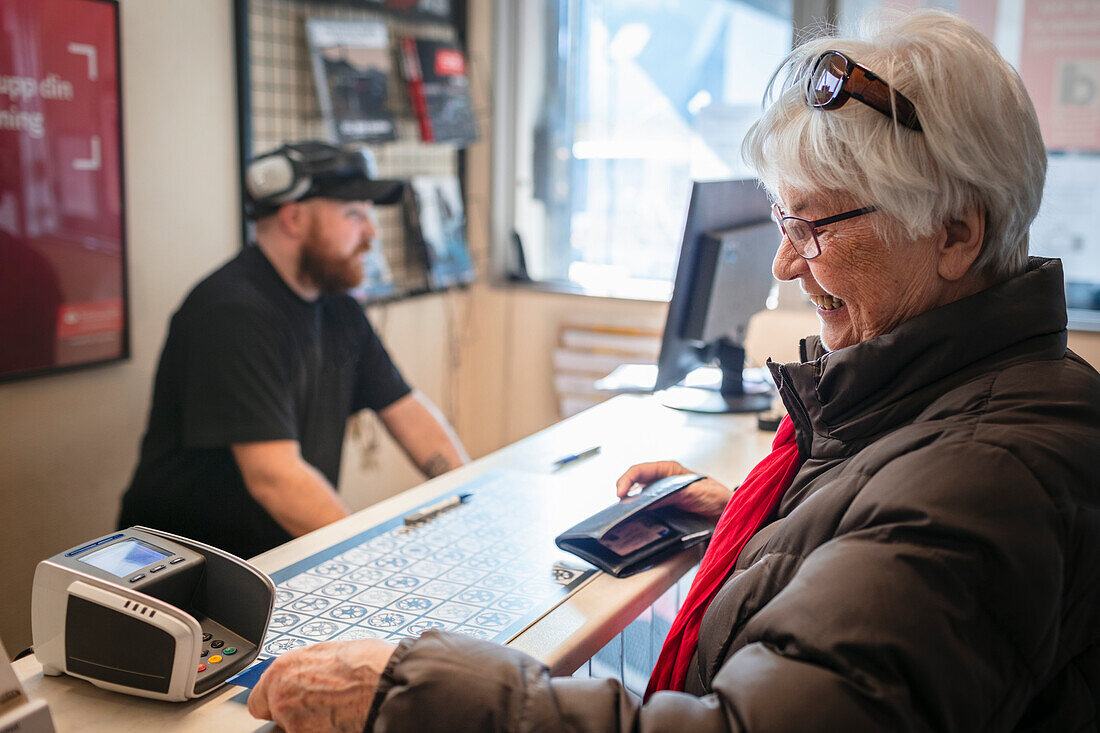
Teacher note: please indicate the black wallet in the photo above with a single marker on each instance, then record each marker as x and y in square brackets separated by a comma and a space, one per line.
[631, 535]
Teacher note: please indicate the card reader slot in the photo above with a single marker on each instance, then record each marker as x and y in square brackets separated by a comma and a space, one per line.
[178, 587]
[187, 589]
[235, 596]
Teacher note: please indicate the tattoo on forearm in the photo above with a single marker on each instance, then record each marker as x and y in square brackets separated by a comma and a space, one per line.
[436, 465]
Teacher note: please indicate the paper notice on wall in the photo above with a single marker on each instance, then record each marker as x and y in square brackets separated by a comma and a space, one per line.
[1060, 65]
[1065, 227]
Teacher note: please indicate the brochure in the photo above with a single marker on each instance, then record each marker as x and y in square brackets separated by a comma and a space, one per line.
[439, 90]
[351, 70]
[437, 222]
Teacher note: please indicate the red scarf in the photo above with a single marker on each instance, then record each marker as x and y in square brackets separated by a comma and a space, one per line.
[750, 505]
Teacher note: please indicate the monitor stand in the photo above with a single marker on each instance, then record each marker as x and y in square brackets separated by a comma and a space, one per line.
[733, 396]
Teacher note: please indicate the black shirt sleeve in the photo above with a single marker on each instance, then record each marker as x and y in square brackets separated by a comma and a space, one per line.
[378, 383]
[237, 379]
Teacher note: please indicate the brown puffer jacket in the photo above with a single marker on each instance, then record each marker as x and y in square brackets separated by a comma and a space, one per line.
[935, 565]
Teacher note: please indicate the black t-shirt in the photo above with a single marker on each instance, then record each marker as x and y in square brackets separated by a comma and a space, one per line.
[246, 360]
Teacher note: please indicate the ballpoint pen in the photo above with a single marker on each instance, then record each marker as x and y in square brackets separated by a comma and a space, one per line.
[432, 509]
[568, 460]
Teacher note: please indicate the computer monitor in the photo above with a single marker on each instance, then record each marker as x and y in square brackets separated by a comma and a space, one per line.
[723, 277]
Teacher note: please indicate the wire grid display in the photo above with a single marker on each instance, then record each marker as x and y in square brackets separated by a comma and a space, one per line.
[284, 108]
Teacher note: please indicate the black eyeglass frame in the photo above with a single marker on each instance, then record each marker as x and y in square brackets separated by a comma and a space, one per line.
[780, 217]
[861, 83]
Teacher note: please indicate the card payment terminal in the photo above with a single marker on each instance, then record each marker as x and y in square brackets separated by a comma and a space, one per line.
[149, 613]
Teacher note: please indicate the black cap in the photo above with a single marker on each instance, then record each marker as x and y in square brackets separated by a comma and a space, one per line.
[311, 169]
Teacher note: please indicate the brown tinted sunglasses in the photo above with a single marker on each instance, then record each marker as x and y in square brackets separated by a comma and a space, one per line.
[835, 77]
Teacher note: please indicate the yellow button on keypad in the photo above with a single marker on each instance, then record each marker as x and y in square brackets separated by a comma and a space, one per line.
[215, 659]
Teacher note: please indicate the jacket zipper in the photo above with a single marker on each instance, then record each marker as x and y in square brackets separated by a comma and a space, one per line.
[800, 415]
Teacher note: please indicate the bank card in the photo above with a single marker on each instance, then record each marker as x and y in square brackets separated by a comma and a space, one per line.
[634, 535]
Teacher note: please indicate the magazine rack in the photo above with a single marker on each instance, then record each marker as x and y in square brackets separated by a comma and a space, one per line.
[277, 103]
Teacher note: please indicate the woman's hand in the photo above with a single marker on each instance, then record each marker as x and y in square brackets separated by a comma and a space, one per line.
[706, 496]
[324, 687]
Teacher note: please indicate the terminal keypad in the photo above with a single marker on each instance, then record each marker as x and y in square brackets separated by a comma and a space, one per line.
[219, 647]
[206, 661]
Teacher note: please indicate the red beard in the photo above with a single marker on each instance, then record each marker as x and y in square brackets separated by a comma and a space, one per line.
[331, 273]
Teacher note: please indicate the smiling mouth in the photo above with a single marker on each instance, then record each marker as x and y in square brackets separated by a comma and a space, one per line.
[826, 302]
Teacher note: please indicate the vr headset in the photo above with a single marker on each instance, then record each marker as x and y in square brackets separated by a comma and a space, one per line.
[305, 170]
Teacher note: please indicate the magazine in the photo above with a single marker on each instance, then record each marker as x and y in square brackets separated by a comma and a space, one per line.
[439, 90]
[437, 221]
[351, 69]
[377, 278]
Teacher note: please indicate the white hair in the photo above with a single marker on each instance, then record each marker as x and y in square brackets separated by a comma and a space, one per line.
[980, 148]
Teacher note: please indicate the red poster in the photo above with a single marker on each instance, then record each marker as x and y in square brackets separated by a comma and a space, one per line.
[62, 254]
[1060, 64]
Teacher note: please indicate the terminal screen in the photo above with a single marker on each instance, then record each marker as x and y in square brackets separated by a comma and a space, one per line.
[123, 558]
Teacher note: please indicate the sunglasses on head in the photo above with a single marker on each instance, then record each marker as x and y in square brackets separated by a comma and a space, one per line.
[835, 77]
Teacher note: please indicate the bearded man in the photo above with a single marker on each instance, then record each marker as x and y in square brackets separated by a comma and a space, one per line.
[267, 359]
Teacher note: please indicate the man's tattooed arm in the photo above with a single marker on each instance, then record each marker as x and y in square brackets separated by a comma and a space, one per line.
[435, 465]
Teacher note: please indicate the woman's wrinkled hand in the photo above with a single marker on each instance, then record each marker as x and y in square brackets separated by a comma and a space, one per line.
[324, 687]
[706, 497]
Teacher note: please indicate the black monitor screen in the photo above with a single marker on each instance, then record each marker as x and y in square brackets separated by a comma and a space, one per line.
[723, 276]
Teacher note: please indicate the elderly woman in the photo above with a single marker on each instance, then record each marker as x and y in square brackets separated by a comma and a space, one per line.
[921, 551]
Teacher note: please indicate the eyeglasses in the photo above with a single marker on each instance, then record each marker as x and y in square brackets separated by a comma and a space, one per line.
[802, 233]
[835, 78]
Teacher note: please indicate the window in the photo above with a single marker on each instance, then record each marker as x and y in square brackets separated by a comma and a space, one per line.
[620, 104]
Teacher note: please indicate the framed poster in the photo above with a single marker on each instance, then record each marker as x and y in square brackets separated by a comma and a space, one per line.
[62, 222]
